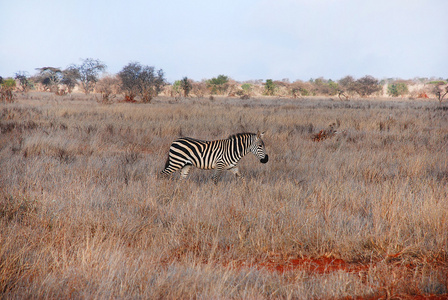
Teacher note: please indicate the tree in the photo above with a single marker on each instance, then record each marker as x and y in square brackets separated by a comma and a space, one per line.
[88, 73]
[367, 85]
[50, 78]
[186, 86]
[24, 81]
[440, 89]
[70, 78]
[142, 81]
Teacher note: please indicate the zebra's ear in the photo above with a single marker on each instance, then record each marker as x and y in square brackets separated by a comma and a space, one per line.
[260, 134]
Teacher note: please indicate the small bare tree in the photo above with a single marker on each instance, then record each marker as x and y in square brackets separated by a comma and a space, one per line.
[88, 73]
[440, 89]
[24, 81]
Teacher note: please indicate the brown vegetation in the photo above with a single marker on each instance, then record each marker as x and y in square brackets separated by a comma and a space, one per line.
[83, 214]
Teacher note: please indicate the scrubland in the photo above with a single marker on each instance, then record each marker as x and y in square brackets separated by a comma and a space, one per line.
[83, 213]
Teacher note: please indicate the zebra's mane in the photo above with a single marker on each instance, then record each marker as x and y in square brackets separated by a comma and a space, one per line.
[240, 134]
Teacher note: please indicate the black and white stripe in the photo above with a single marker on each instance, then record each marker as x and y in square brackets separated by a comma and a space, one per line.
[218, 155]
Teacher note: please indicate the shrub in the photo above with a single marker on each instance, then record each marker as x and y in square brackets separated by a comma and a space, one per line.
[24, 81]
[109, 87]
[218, 84]
[300, 88]
[397, 89]
[186, 86]
[7, 86]
[269, 87]
[176, 89]
[324, 87]
[141, 81]
[200, 89]
[367, 85]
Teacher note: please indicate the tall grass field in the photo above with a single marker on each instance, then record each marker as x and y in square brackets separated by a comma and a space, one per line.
[361, 214]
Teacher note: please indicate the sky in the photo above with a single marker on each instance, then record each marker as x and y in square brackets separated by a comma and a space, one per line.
[242, 39]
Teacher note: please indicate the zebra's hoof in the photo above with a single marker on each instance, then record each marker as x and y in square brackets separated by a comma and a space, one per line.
[265, 159]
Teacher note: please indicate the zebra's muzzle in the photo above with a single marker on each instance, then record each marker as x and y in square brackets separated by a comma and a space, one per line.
[265, 159]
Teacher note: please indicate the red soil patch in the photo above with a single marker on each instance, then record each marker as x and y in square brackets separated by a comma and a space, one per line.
[325, 265]
[320, 265]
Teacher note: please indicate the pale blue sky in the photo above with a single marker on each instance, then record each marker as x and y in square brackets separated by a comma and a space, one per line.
[241, 39]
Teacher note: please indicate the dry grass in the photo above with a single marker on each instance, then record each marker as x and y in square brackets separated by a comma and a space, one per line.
[83, 213]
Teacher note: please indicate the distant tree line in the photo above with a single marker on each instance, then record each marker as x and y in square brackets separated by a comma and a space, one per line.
[134, 81]
[141, 83]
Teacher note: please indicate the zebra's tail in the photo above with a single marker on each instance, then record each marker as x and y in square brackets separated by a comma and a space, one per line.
[165, 171]
[167, 163]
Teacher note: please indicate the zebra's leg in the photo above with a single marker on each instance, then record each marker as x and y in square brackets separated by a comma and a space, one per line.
[170, 168]
[217, 174]
[237, 173]
[184, 171]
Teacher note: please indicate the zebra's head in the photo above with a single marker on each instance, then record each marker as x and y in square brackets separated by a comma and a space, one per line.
[258, 149]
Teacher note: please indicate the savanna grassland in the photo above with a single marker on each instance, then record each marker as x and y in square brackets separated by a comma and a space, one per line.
[83, 213]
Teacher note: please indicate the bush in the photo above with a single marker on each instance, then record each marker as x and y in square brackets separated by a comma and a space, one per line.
[218, 84]
[24, 81]
[397, 89]
[176, 89]
[109, 87]
[269, 87]
[141, 81]
[324, 87]
[199, 89]
[186, 86]
[7, 86]
[367, 85]
[300, 88]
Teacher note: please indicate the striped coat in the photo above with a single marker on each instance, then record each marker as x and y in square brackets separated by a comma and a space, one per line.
[218, 155]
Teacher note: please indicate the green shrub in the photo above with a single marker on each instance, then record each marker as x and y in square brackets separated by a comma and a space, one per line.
[218, 84]
[6, 87]
[397, 89]
[269, 87]
[186, 86]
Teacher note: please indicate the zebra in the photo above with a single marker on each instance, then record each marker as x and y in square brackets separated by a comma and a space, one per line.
[218, 155]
